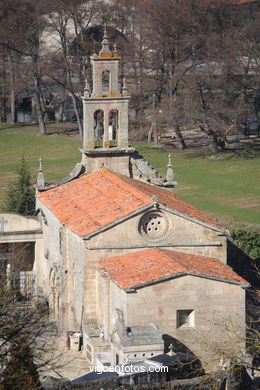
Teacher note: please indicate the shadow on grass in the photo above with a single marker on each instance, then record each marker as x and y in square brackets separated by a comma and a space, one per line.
[6, 126]
[239, 151]
[67, 129]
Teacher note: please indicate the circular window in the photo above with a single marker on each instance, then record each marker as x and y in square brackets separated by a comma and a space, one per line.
[154, 225]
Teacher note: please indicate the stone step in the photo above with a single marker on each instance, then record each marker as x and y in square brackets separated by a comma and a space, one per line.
[146, 171]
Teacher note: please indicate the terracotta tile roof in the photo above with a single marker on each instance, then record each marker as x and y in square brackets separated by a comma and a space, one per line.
[136, 268]
[93, 201]
[170, 200]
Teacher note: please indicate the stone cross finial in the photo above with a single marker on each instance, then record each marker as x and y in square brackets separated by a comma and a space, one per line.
[171, 352]
[115, 52]
[40, 165]
[105, 43]
[169, 173]
[154, 198]
[40, 177]
[86, 89]
[105, 31]
[124, 88]
[2, 224]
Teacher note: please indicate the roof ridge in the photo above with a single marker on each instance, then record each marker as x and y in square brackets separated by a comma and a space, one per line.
[157, 266]
[213, 221]
[169, 257]
[124, 184]
[195, 255]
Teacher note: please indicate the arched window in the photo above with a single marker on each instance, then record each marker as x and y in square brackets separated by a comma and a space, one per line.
[98, 126]
[113, 126]
[105, 82]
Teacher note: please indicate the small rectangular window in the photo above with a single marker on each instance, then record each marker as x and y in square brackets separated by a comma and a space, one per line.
[185, 318]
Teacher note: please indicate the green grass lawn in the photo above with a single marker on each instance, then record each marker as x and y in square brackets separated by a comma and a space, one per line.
[225, 186]
[59, 153]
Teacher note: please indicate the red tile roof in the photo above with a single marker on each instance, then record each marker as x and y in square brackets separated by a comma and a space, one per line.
[93, 201]
[136, 268]
[170, 200]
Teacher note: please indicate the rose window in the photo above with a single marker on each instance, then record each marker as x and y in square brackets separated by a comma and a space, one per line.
[153, 225]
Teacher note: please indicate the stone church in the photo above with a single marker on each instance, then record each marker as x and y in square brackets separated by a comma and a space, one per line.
[121, 258]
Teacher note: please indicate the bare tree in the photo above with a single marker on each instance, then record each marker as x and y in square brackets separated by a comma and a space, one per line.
[26, 335]
[25, 40]
[68, 22]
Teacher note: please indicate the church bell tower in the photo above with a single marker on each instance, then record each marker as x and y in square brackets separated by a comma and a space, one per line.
[105, 115]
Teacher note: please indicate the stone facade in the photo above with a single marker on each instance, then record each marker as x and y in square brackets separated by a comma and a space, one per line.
[88, 298]
[107, 100]
[79, 231]
[216, 305]
[20, 251]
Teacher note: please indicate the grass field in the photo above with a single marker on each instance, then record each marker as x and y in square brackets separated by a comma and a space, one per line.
[224, 186]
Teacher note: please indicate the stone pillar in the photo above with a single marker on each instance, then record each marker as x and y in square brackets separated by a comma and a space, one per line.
[113, 85]
[88, 126]
[106, 134]
[41, 284]
[123, 126]
[97, 79]
[107, 308]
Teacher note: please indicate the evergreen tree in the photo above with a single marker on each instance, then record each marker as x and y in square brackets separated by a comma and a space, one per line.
[249, 242]
[20, 195]
[20, 372]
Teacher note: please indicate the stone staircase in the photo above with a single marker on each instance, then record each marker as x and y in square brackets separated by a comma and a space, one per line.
[142, 170]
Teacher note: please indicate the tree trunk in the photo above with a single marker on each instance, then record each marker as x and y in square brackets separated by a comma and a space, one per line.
[4, 109]
[151, 131]
[12, 89]
[258, 123]
[79, 121]
[40, 112]
[180, 139]
[42, 126]
[140, 132]
[155, 135]
[216, 143]
[12, 104]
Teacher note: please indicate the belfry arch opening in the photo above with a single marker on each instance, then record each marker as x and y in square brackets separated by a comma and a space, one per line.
[105, 82]
[113, 127]
[98, 126]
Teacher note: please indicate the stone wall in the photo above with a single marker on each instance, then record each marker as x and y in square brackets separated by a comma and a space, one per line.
[74, 255]
[183, 235]
[21, 244]
[218, 324]
[17, 223]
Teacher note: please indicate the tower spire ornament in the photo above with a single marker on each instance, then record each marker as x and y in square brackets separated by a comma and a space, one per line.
[170, 173]
[105, 50]
[115, 52]
[87, 89]
[40, 177]
[124, 88]
[171, 351]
